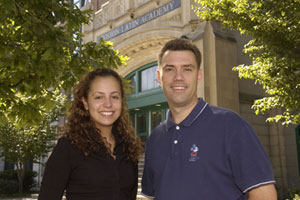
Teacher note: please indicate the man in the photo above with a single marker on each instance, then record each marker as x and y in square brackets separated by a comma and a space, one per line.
[201, 151]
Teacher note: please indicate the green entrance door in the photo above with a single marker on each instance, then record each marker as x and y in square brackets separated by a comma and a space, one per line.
[145, 119]
[157, 118]
[141, 125]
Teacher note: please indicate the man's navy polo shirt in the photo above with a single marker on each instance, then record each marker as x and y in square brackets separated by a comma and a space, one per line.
[213, 154]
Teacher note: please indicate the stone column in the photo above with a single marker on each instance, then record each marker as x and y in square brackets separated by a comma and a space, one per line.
[277, 155]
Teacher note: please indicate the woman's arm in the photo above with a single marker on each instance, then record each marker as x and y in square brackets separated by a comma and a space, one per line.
[57, 171]
[134, 188]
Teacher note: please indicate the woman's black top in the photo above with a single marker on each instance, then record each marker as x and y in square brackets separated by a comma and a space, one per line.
[94, 177]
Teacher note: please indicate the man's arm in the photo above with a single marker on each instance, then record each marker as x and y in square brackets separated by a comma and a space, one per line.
[263, 192]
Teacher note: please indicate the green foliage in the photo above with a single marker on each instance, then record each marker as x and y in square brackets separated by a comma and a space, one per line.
[41, 53]
[25, 144]
[275, 49]
[294, 193]
[21, 145]
[295, 197]
[9, 181]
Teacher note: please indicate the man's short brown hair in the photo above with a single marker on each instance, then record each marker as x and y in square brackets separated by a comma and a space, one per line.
[180, 44]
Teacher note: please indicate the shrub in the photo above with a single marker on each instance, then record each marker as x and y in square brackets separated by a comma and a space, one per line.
[296, 197]
[28, 181]
[8, 186]
[294, 194]
[11, 177]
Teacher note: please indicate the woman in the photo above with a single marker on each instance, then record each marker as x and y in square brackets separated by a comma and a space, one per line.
[96, 158]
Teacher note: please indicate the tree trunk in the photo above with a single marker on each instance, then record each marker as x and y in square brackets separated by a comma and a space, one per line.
[21, 173]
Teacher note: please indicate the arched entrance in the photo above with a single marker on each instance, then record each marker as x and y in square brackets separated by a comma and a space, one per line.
[147, 103]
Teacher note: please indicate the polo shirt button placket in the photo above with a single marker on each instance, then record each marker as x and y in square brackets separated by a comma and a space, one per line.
[175, 141]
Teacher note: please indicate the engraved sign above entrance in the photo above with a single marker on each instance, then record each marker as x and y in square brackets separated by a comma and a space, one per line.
[172, 5]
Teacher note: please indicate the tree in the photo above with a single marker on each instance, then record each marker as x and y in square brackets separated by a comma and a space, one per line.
[41, 52]
[23, 145]
[275, 49]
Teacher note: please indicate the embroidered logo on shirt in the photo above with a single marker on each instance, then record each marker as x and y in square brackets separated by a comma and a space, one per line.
[194, 153]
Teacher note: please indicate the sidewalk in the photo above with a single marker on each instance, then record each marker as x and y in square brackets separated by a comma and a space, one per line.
[20, 198]
[33, 197]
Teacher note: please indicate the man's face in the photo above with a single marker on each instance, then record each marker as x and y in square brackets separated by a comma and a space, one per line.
[178, 75]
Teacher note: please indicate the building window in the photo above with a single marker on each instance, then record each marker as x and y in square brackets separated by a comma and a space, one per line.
[78, 3]
[143, 79]
[132, 81]
[148, 79]
[8, 166]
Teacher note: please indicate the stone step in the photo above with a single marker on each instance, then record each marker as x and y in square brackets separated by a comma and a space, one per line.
[35, 196]
[140, 197]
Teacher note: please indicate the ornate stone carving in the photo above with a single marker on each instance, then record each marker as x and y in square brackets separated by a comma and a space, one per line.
[106, 12]
[98, 20]
[142, 45]
[101, 17]
[140, 2]
[119, 8]
[175, 18]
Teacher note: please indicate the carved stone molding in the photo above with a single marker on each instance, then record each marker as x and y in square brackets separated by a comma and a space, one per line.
[98, 20]
[138, 3]
[101, 17]
[142, 45]
[175, 18]
[118, 8]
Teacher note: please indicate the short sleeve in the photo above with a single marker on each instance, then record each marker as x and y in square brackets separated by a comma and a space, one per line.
[57, 172]
[250, 164]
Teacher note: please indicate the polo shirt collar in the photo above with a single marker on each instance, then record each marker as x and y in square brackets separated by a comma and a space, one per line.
[188, 121]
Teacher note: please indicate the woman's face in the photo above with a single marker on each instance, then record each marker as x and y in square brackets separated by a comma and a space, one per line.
[104, 101]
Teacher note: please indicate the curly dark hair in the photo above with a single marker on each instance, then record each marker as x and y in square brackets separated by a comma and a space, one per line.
[180, 44]
[80, 129]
